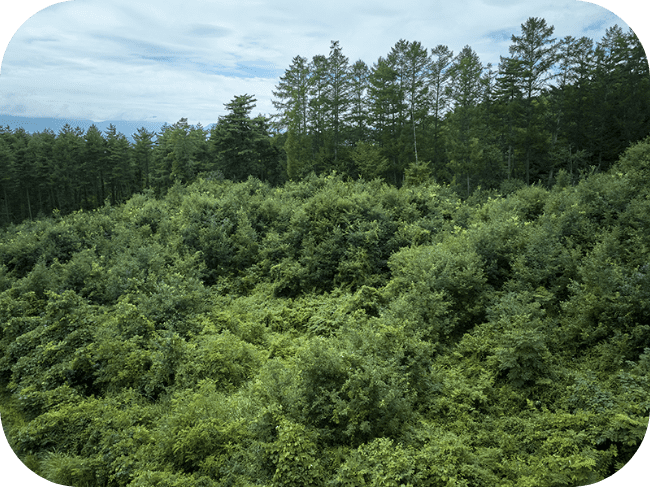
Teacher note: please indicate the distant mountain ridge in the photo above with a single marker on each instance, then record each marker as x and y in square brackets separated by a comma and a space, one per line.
[33, 125]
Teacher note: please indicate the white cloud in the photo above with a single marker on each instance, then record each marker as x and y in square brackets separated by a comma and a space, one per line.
[138, 60]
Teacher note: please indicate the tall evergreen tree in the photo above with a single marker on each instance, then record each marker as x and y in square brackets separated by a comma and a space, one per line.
[439, 100]
[241, 146]
[182, 155]
[24, 168]
[292, 96]
[386, 104]
[40, 149]
[570, 98]
[415, 62]
[463, 144]
[318, 100]
[95, 153]
[508, 108]
[120, 174]
[62, 181]
[621, 95]
[143, 153]
[6, 181]
[358, 115]
[535, 52]
[337, 99]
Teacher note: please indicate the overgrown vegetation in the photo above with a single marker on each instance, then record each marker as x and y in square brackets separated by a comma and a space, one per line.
[333, 332]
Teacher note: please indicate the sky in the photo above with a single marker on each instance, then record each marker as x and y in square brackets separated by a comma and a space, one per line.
[156, 60]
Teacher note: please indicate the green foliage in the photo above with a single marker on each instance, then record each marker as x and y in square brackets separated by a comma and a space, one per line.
[522, 353]
[369, 161]
[297, 456]
[224, 358]
[441, 288]
[332, 332]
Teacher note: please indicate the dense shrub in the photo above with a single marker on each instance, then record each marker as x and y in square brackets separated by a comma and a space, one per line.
[332, 332]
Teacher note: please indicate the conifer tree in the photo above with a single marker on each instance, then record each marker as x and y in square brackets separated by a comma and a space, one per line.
[439, 98]
[95, 153]
[358, 115]
[142, 153]
[535, 51]
[386, 105]
[292, 96]
[317, 118]
[463, 145]
[337, 101]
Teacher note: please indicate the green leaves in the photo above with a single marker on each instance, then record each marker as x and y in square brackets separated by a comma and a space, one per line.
[332, 332]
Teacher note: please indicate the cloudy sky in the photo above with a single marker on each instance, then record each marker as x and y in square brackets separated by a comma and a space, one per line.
[159, 60]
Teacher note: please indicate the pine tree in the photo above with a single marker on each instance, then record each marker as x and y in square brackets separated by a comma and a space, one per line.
[241, 146]
[439, 99]
[39, 148]
[358, 115]
[95, 151]
[6, 180]
[120, 174]
[463, 145]
[142, 153]
[66, 155]
[414, 64]
[508, 108]
[386, 105]
[337, 99]
[317, 118]
[292, 96]
[535, 52]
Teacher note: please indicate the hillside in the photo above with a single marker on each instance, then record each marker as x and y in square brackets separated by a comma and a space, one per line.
[333, 332]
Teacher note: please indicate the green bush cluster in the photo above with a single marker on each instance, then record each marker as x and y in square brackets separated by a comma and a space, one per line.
[332, 332]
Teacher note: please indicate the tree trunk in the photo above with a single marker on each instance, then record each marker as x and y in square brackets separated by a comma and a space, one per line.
[509, 161]
[4, 190]
[29, 205]
[528, 165]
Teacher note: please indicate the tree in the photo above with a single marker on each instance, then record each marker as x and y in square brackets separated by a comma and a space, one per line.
[39, 152]
[413, 62]
[439, 98]
[570, 97]
[182, 154]
[358, 116]
[24, 169]
[369, 161]
[463, 146]
[535, 52]
[120, 174]
[318, 100]
[386, 103]
[64, 177]
[508, 107]
[292, 96]
[621, 95]
[241, 146]
[337, 100]
[298, 150]
[142, 153]
[6, 164]
[95, 153]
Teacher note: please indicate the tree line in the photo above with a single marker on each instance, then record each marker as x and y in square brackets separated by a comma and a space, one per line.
[550, 104]
[74, 170]
[415, 114]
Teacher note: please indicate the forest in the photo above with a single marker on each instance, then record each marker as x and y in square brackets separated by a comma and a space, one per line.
[333, 332]
[453, 298]
[569, 104]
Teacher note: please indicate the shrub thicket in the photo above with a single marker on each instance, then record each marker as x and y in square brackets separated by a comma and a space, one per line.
[333, 332]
